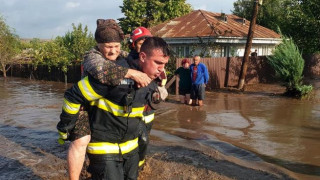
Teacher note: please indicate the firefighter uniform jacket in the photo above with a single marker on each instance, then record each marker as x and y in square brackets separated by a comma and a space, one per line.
[115, 113]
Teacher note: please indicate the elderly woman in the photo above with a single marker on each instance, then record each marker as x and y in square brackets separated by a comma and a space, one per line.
[184, 74]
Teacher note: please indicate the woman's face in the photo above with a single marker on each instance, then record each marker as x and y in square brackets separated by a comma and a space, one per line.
[186, 65]
[110, 50]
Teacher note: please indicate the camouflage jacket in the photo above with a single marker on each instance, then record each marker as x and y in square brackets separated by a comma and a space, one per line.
[107, 72]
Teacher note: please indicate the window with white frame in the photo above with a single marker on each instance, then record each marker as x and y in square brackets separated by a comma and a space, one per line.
[182, 51]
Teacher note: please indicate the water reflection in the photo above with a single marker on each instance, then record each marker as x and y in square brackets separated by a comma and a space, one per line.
[192, 119]
[279, 130]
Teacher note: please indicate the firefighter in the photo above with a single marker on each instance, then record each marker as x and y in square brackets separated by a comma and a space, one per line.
[137, 38]
[115, 114]
[99, 63]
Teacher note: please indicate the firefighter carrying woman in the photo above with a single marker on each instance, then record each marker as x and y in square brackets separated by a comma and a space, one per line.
[119, 112]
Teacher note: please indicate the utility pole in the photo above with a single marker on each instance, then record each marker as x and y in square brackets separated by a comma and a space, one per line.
[244, 66]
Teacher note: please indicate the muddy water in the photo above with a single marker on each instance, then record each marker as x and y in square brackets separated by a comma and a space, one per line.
[266, 127]
[252, 127]
[29, 111]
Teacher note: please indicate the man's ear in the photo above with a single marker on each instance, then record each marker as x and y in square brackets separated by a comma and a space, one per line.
[142, 56]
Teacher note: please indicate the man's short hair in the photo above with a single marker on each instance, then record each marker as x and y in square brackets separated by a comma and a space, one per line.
[152, 43]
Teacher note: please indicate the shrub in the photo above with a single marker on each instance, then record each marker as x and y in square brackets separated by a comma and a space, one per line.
[288, 64]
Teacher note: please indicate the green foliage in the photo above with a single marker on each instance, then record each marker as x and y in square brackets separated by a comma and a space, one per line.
[55, 55]
[9, 45]
[299, 19]
[243, 8]
[148, 13]
[37, 51]
[77, 42]
[288, 65]
[62, 51]
[303, 24]
[171, 66]
[270, 14]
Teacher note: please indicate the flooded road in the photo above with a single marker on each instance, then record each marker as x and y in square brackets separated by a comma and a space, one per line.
[251, 127]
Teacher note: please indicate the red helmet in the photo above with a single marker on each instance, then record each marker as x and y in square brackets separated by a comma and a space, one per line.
[139, 33]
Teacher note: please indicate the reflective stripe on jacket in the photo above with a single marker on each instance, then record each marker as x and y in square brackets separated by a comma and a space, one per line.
[148, 118]
[112, 148]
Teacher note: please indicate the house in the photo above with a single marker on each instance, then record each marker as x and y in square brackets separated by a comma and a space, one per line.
[214, 35]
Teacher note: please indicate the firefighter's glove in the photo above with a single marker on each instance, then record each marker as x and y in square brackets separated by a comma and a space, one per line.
[163, 92]
[63, 136]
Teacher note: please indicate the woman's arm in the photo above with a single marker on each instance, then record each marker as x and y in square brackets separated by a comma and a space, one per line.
[108, 72]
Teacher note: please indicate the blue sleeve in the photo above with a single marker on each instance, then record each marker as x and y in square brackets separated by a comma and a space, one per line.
[206, 74]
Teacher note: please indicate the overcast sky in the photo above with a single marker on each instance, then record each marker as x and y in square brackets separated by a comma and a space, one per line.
[50, 18]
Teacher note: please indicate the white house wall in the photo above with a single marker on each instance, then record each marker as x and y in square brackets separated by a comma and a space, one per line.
[227, 49]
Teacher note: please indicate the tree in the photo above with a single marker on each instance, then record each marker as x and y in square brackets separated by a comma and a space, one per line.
[288, 64]
[270, 15]
[245, 60]
[77, 42]
[298, 19]
[242, 8]
[303, 24]
[148, 13]
[71, 47]
[36, 52]
[63, 50]
[9, 46]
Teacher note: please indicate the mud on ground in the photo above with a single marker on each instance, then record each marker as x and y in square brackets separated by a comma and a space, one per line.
[193, 163]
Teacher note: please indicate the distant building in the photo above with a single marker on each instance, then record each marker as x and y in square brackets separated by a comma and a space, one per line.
[216, 34]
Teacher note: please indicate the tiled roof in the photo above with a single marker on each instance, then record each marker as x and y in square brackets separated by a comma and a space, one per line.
[200, 23]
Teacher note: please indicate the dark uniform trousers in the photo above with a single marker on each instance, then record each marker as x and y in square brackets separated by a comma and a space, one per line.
[102, 168]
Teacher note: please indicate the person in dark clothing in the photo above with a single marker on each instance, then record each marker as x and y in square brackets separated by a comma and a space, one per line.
[255, 53]
[99, 63]
[184, 75]
[115, 114]
[137, 38]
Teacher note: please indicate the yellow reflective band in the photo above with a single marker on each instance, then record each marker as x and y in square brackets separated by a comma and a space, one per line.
[117, 110]
[141, 162]
[112, 148]
[63, 135]
[163, 82]
[69, 107]
[86, 89]
[147, 119]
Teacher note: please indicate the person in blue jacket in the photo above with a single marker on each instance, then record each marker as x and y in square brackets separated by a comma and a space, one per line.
[199, 78]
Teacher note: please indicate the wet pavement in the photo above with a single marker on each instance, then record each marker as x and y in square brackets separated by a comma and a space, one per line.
[253, 127]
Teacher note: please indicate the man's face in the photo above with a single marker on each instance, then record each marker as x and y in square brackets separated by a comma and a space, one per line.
[153, 65]
[138, 45]
[110, 50]
[196, 60]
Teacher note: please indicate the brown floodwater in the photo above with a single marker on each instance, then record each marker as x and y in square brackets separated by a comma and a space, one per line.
[248, 126]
